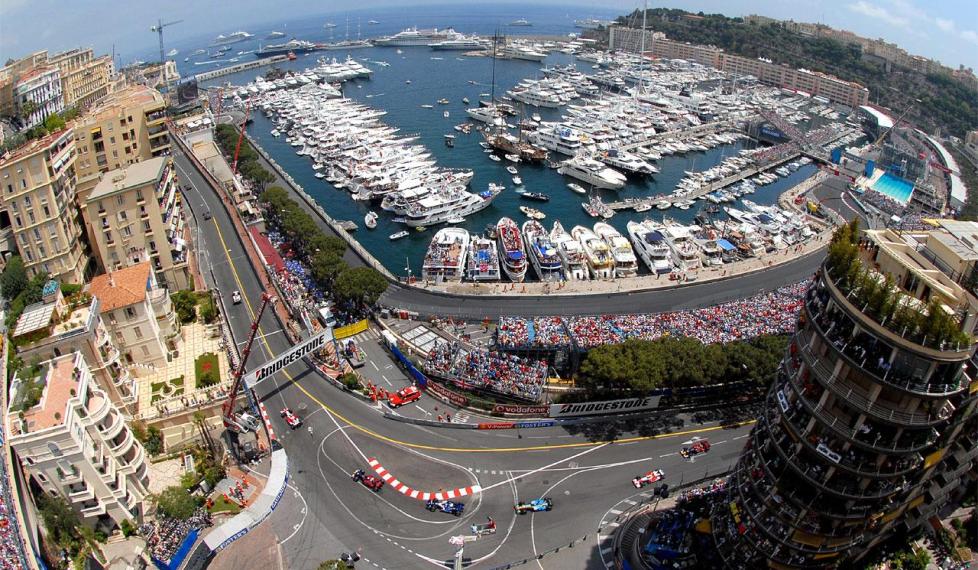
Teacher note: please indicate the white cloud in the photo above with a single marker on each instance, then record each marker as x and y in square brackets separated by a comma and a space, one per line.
[945, 25]
[970, 36]
[880, 13]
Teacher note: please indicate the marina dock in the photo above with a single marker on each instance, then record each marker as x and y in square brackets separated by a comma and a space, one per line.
[685, 134]
[208, 75]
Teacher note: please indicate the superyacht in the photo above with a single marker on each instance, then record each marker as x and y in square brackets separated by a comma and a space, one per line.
[416, 37]
[626, 264]
[593, 172]
[511, 250]
[445, 259]
[543, 254]
[684, 250]
[650, 243]
[571, 254]
[450, 205]
[483, 260]
[596, 252]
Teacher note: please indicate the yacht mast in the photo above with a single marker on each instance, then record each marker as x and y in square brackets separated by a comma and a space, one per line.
[641, 51]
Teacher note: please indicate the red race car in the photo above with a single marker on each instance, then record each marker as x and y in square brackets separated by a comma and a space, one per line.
[404, 396]
[698, 447]
[290, 418]
[369, 481]
[649, 478]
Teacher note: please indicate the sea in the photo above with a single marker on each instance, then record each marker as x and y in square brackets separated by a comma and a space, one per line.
[420, 76]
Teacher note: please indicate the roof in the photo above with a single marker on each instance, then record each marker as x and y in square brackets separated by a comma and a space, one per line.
[134, 95]
[34, 317]
[121, 288]
[58, 376]
[34, 147]
[882, 119]
[132, 176]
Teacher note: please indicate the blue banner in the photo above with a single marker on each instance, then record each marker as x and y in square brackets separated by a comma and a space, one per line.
[181, 553]
[419, 378]
[540, 424]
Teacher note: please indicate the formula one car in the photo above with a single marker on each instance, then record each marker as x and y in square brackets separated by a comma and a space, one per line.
[369, 481]
[404, 396]
[290, 418]
[698, 447]
[446, 506]
[236, 297]
[534, 506]
[649, 478]
[488, 527]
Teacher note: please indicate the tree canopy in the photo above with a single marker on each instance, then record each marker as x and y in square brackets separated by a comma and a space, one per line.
[13, 280]
[362, 285]
[175, 502]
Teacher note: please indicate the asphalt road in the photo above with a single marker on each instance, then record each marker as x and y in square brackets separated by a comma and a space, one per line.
[326, 513]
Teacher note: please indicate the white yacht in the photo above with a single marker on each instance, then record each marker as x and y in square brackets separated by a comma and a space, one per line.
[416, 37]
[514, 51]
[452, 204]
[543, 254]
[593, 172]
[626, 264]
[650, 243]
[445, 259]
[684, 251]
[626, 161]
[596, 252]
[556, 137]
[707, 242]
[483, 261]
[512, 254]
[571, 254]
[489, 115]
[234, 38]
[467, 44]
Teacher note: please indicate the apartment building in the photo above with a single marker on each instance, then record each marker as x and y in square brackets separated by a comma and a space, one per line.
[74, 443]
[631, 39]
[971, 146]
[56, 326]
[85, 79]
[40, 88]
[137, 313]
[126, 127]
[37, 193]
[864, 429]
[135, 214]
[11, 73]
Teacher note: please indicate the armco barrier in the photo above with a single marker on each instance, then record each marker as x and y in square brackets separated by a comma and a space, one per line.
[419, 422]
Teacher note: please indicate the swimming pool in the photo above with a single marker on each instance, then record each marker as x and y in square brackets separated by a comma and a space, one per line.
[894, 187]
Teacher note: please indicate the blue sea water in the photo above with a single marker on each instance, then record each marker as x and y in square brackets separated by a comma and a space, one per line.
[433, 79]
[894, 187]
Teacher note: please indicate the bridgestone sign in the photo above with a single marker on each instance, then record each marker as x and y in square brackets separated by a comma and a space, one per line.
[283, 360]
[608, 407]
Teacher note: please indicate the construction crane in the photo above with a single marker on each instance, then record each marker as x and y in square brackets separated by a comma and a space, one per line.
[243, 422]
[237, 148]
[158, 28]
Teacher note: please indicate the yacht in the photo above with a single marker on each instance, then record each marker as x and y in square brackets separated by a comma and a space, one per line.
[593, 172]
[571, 254]
[650, 243]
[489, 115]
[274, 35]
[521, 52]
[291, 46]
[684, 250]
[626, 264]
[231, 38]
[438, 208]
[483, 260]
[537, 98]
[556, 137]
[626, 161]
[511, 251]
[596, 252]
[543, 254]
[445, 259]
[706, 240]
[416, 37]
[467, 44]
[521, 22]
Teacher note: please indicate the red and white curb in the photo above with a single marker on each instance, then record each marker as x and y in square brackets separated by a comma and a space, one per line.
[268, 423]
[414, 493]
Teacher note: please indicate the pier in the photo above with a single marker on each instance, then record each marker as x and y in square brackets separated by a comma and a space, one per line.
[208, 75]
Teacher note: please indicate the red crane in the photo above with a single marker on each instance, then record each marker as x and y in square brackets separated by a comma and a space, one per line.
[243, 422]
[237, 149]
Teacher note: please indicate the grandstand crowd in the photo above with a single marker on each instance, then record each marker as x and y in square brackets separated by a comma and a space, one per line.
[490, 370]
[11, 545]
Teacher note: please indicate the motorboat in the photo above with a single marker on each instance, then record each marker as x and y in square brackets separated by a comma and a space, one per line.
[511, 251]
[445, 259]
[596, 252]
[626, 264]
[483, 260]
[577, 188]
[532, 213]
[543, 253]
[539, 196]
[684, 250]
[571, 254]
[593, 172]
[370, 220]
[650, 244]
[512, 170]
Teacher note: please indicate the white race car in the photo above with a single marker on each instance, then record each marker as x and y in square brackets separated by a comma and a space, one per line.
[649, 478]
[290, 418]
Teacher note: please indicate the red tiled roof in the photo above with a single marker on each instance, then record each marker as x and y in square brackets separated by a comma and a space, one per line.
[120, 288]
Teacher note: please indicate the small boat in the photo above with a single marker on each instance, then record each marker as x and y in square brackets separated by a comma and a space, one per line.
[421, 229]
[532, 213]
[591, 210]
[370, 220]
[449, 140]
[512, 157]
[465, 100]
[540, 196]
[536, 117]
[427, 106]
[484, 144]
[443, 101]
[400, 234]
[489, 150]
[493, 157]
[577, 188]
[408, 81]
[663, 204]
[456, 220]
[517, 181]
[644, 207]
[445, 114]
[512, 170]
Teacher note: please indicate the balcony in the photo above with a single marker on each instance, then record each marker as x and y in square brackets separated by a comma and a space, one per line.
[69, 478]
[80, 493]
[111, 428]
[121, 444]
[92, 510]
[136, 458]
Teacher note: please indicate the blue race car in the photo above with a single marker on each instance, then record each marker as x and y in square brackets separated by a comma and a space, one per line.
[534, 506]
[450, 507]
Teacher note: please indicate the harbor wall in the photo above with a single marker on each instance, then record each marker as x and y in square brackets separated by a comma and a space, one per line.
[208, 75]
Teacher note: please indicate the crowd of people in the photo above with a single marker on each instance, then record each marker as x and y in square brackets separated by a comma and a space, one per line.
[11, 545]
[882, 202]
[164, 537]
[482, 369]
[766, 313]
[717, 486]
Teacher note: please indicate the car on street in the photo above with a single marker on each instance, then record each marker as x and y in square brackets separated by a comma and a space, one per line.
[369, 481]
[404, 396]
[236, 297]
[649, 478]
[207, 214]
[293, 420]
[698, 447]
[534, 506]
[445, 506]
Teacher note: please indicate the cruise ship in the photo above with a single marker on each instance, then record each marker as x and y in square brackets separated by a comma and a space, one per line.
[626, 264]
[452, 204]
[596, 252]
[483, 261]
[543, 254]
[650, 243]
[571, 254]
[557, 137]
[416, 37]
[445, 259]
[684, 250]
[593, 172]
[511, 251]
[468, 44]
[234, 38]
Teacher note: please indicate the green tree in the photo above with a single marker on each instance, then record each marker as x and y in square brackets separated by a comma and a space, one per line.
[332, 565]
[258, 175]
[326, 266]
[185, 304]
[175, 502]
[27, 109]
[60, 520]
[363, 285]
[13, 280]
[910, 560]
[54, 123]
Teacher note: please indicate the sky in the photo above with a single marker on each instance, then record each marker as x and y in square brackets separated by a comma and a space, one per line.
[946, 30]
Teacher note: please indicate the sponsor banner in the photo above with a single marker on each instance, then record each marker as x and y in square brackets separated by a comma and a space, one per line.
[606, 407]
[350, 330]
[498, 425]
[517, 409]
[540, 424]
[457, 399]
[286, 358]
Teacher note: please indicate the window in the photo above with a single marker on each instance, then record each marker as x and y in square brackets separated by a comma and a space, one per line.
[146, 226]
[123, 215]
[10, 187]
[101, 208]
[18, 221]
[53, 230]
[37, 235]
[136, 330]
[127, 231]
[47, 212]
[54, 449]
[30, 216]
[145, 350]
[115, 154]
[27, 201]
[120, 200]
[42, 252]
[130, 313]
